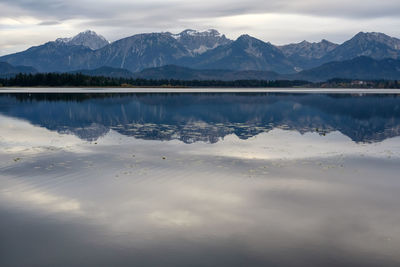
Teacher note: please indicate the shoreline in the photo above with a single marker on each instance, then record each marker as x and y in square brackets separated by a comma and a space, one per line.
[193, 90]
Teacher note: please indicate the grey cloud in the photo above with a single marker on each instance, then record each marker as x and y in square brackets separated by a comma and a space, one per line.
[121, 18]
[204, 9]
[85, 9]
[49, 23]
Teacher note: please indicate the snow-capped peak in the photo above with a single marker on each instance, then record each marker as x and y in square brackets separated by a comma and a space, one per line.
[63, 40]
[190, 32]
[207, 33]
[87, 38]
[194, 33]
[198, 42]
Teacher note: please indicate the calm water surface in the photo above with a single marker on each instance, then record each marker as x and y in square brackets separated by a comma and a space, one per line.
[229, 179]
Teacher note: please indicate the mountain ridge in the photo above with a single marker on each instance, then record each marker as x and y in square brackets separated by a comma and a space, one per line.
[362, 68]
[371, 44]
[245, 53]
[7, 70]
[198, 50]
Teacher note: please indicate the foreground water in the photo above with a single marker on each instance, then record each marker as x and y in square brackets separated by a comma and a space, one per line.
[228, 179]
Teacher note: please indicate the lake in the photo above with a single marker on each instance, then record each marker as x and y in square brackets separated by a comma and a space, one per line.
[256, 178]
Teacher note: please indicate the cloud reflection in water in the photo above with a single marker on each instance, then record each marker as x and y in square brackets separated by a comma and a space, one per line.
[277, 198]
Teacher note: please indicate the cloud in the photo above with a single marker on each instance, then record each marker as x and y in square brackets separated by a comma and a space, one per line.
[92, 9]
[49, 23]
[278, 21]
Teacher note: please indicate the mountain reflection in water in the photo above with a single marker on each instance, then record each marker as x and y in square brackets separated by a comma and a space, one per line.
[199, 180]
[208, 117]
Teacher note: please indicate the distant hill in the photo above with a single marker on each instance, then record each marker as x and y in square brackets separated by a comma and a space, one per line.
[364, 68]
[182, 73]
[106, 72]
[7, 70]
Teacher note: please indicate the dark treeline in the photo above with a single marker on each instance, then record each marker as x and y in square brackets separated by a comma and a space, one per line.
[80, 80]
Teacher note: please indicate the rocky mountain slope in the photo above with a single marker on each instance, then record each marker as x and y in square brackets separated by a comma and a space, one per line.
[52, 57]
[88, 39]
[246, 53]
[198, 43]
[208, 50]
[374, 45]
[305, 55]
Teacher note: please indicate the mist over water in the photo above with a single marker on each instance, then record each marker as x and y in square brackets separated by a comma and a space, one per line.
[199, 180]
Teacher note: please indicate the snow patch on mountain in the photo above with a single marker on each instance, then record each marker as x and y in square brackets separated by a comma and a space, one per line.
[197, 42]
[88, 38]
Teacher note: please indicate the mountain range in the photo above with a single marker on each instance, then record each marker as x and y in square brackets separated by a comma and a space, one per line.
[211, 55]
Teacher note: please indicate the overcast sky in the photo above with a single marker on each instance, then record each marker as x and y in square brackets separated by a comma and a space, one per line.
[24, 23]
